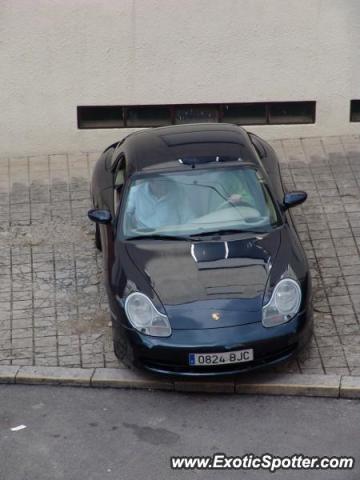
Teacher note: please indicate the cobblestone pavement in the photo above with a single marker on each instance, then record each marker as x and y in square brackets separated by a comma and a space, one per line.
[53, 309]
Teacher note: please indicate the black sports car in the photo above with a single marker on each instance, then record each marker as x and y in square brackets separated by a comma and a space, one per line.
[204, 270]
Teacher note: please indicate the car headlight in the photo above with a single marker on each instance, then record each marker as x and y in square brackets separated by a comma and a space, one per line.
[284, 303]
[144, 317]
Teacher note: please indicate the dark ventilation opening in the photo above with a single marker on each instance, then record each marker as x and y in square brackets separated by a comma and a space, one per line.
[244, 114]
[100, 117]
[291, 112]
[196, 114]
[355, 111]
[148, 116]
[259, 113]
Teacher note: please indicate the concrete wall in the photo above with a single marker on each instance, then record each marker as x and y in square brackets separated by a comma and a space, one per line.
[56, 54]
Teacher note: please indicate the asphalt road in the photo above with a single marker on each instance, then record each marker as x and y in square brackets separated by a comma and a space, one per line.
[78, 433]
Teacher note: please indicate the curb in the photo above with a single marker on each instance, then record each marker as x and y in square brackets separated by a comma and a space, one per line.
[335, 386]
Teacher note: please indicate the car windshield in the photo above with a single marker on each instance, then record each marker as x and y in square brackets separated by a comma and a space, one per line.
[198, 202]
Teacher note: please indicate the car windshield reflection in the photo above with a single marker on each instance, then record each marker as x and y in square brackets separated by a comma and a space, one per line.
[198, 202]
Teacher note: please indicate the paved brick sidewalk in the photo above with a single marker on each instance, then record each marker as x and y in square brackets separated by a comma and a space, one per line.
[53, 309]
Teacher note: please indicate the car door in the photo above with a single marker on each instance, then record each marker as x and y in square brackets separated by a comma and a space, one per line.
[271, 164]
[102, 177]
[112, 199]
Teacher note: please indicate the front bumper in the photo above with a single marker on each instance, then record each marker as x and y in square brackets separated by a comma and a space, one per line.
[170, 355]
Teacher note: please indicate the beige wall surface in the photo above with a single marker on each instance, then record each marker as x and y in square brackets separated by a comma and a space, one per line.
[55, 55]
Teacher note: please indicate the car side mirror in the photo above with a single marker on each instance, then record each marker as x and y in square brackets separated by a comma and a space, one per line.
[292, 199]
[99, 216]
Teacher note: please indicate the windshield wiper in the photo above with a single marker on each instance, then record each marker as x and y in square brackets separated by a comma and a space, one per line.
[155, 236]
[228, 231]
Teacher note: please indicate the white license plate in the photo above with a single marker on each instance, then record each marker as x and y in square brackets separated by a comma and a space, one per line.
[224, 358]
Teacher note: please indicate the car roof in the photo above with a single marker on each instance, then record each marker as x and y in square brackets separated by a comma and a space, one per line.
[161, 148]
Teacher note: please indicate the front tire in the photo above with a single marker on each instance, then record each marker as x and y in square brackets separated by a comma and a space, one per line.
[122, 350]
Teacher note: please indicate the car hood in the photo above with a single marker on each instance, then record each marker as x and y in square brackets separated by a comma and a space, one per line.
[209, 284]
